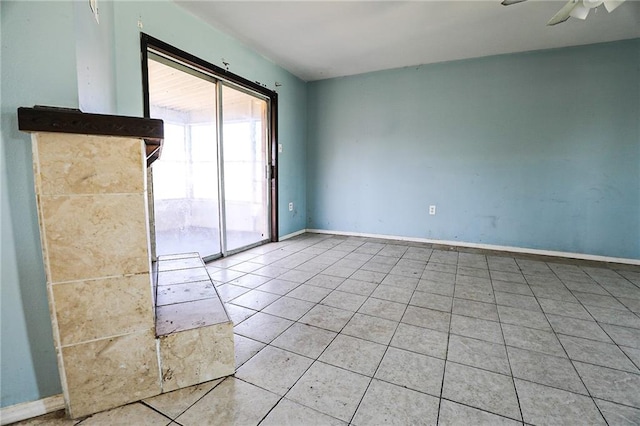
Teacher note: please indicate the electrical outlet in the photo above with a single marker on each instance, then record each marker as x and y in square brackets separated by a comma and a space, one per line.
[290, 207]
[432, 210]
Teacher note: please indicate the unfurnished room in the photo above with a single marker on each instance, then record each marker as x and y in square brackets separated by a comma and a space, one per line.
[320, 212]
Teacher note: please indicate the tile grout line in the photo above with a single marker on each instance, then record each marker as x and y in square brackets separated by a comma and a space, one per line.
[446, 353]
[616, 325]
[385, 351]
[564, 349]
[317, 359]
[513, 380]
[190, 406]
[304, 372]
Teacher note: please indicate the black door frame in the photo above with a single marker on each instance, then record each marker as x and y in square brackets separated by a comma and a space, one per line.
[148, 42]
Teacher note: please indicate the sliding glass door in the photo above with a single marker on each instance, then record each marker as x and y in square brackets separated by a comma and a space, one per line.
[211, 182]
[244, 136]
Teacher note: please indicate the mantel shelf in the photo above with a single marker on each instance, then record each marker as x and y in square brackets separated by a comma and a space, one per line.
[66, 120]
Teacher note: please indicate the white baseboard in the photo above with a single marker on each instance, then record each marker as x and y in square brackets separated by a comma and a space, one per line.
[27, 410]
[293, 234]
[511, 249]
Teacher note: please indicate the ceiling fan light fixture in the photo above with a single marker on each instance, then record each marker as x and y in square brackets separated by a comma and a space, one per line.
[591, 4]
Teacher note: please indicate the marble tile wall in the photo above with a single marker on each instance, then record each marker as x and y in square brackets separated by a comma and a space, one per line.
[101, 164]
[94, 235]
[197, 355]
[110, 372]
[92, 200]
[83, 316]
[91, 195]
[195, 332]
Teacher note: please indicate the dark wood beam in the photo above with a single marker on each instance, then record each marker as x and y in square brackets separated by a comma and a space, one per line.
[67, 120]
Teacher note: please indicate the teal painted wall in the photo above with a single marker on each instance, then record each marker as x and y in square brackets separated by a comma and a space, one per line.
[95, 62]
[537, 150]
[38, 67]
[54, 53]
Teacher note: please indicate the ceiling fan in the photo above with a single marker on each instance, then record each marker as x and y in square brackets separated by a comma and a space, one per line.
[575, 8]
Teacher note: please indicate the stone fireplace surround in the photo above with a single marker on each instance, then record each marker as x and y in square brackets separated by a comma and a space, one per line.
[118, 337]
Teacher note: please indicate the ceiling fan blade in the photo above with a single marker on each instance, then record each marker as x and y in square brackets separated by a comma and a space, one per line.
[564, 13]
[611, 5]
[580, 12]
[510, 2]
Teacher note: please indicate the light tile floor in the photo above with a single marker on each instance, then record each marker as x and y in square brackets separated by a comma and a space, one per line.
[336, 330]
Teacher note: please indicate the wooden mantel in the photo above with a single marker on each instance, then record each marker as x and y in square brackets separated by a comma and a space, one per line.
[67, 120]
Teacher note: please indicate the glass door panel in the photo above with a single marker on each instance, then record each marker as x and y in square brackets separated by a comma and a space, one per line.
[246, 189]
[185, 177]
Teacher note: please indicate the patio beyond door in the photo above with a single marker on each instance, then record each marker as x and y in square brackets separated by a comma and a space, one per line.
[211, 183]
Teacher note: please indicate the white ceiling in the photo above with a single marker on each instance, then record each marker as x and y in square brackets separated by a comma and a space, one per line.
[322, 39]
